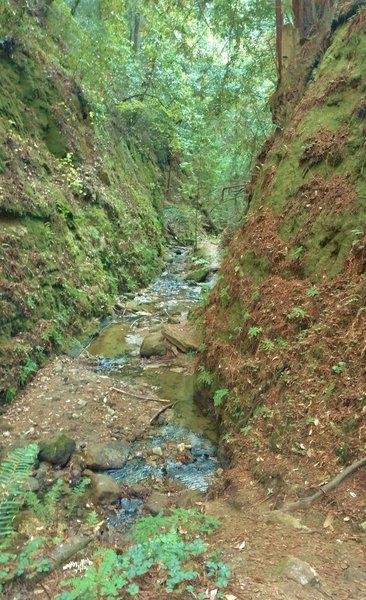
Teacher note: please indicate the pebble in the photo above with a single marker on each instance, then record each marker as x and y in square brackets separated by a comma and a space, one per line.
[157, 451]
[76, 415]
[82, 403]
[6, 433]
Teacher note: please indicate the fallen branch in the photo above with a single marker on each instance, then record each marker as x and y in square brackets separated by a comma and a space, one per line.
[62, 555]
[160, 412]
[325, 489]
[138, 397]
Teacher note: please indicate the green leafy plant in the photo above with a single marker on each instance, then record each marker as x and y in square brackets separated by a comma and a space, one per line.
[339, 367]
[267, 345]
[14, 471]
[46, 509]
[296, 313]
[27, 369]
[204, 376]
[281, 343]
[296, 252]
[169, 544]
[76, 493]
[312, 292]
[26, 563]
[219, 395]
[254, 332]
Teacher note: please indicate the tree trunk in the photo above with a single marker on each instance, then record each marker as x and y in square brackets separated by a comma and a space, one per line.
[279, 26]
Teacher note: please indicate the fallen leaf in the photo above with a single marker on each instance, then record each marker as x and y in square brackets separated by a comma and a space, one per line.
[240, 546]
[329, 521]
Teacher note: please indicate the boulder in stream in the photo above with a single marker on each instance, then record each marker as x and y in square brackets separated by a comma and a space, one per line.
[56, 449]
[105, 489]
[184, 336]
[154, 344]
[198, 275]
[107, 455]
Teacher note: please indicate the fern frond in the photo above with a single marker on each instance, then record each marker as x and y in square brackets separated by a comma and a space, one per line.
[14, 471]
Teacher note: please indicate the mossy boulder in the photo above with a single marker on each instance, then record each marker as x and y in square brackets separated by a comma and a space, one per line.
[198, 275]
[57, 449]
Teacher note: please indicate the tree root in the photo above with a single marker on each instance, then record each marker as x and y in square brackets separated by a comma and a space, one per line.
[307, 501]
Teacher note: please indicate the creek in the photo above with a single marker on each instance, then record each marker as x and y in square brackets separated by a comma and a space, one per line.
[181, 447]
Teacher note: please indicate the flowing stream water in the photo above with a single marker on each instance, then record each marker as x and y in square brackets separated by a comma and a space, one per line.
[117, 350]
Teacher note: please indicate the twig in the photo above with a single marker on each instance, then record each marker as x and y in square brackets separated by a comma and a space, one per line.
[329, 487]
[160, 412]
[45, 590]
[145, 398]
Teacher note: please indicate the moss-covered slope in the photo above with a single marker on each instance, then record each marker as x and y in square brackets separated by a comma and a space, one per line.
[79, 210]
[285, 329]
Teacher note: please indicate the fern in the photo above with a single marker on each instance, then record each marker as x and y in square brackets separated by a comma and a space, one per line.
[75, 496]
[14, 471]
[46, 509]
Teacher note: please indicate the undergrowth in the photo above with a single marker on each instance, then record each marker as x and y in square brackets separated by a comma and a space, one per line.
[167, 547]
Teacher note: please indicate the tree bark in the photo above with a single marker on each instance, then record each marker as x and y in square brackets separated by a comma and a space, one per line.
[324, 489]
[279, 26]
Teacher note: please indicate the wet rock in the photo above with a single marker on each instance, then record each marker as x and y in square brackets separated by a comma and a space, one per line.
[107, 455]
[154, 344]
[57, 449]
[157, 503]
[299, 571]
[105, 489]
[183, 336]
[198, 275]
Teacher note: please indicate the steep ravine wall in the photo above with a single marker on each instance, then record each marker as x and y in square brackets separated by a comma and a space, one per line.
[285, 327]
[79, 210]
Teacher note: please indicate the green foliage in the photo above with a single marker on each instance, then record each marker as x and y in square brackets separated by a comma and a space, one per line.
[339, 367]
[267, 345]
[76, 493]
[27, 563]
[281, 343]
[27, 369]
[312, 292]
[204, 376]
[167, 543]
[46, 509]
[191, 520]
[14, 471]
[296, 252]
[296, 313]
[219, 395]
[254, 332]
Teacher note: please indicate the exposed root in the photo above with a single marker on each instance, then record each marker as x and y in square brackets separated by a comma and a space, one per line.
[325, 489]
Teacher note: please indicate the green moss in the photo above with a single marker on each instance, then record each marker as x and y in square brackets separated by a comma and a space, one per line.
[56, 450]
[257, 267]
